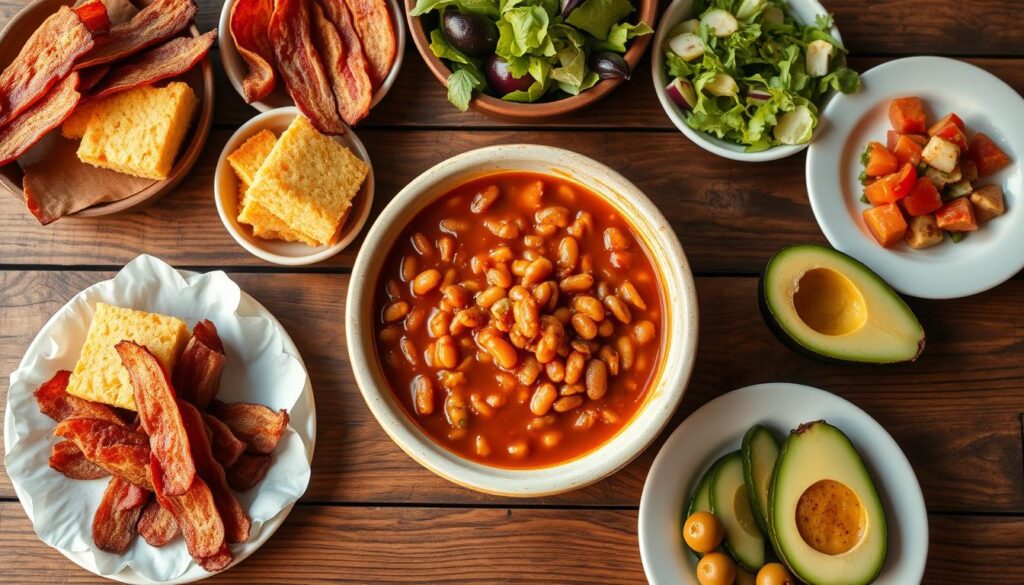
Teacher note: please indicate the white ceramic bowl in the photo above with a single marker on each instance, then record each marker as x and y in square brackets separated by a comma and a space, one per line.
[680, 10]
[225, 192]
[718, 427]
[984, 259]
[679, 335]
[236, 68]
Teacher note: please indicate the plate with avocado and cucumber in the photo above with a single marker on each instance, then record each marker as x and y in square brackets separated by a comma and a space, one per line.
[779, 484]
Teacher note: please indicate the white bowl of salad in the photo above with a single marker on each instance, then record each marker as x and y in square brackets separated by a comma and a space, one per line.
[745, 79]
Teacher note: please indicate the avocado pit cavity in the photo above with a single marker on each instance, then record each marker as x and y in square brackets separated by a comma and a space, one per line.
[828, 302]
[830, 517]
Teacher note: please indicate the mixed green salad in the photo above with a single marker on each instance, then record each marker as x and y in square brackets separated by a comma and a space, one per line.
[528, 50]
[747, 72]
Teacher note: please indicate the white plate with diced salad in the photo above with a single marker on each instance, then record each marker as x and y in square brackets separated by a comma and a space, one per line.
[744, 79]
[918, 176]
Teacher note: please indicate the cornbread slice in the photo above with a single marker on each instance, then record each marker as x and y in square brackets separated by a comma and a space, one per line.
[99, 375]
[138, 132]
[308, 181]
[74, 127]
[249, 157]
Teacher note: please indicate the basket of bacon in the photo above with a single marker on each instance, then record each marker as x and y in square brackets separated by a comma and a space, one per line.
[159, 433]
[111, 117]
[334, 59]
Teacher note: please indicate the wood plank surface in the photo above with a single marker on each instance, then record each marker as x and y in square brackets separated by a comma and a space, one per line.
[956, 412]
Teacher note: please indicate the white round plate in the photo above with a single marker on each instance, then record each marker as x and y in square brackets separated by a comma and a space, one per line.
[236, 68]
[680, 10]
[225, 192]
[718, 428]
[57, 346]
[986, 257]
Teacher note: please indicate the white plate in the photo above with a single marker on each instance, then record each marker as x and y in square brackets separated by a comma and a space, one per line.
[986, 257]
[225, 193]
[236, 68]
[252, 373]
[718, 428]
[680, 10]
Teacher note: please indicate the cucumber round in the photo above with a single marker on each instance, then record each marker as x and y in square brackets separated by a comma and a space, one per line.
[731, 503]
[760, 450]
[700, 501]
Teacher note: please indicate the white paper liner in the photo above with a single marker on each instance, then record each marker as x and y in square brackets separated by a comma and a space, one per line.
[260, 368]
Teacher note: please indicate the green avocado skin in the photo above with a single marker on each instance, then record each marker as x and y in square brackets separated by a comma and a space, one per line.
[760, 516]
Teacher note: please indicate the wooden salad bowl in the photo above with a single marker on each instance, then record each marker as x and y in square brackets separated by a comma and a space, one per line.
[646, 12]
[200, 78]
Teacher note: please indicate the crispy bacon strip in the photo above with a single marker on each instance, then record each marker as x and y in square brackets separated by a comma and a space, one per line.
[159, 416]
[219, 561]
[227, 448]
[236, 521]
[93, 15]
[343, 56]
[165, 61]
[68, 459]
[194, 511]
[300, 66]
[113, 525]
[157, 526]
[90, 78]
[45, 60]
[250, 24]
[257, 425]
[249, 470]
[46, 114]
[55, 402]
[160, 20]
[372, 21]
[121, 451]
[197, 374]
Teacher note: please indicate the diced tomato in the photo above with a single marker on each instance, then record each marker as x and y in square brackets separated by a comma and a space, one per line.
[892, 188]
[950, 131]
[908, 150]
[957, 216]
[988, 157]
[923, 199]
[879, 161]
[907, 115]
[950, 117]
[886, 223]
[893, 137]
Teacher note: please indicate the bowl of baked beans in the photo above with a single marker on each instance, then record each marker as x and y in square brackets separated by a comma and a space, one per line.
[522, 320]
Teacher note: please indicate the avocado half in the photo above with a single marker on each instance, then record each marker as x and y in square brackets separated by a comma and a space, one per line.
[828, 306]
[826, 521]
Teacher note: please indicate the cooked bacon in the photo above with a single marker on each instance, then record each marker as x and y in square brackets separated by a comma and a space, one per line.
[28, 128]
[343, 56]
[89, 78]
[260, 427]
[249, 470]
[68, 459]
[44, 60]
[195, 513]
[227, 448]
[93, 15]
[160, 20]
[197, 374]
[250, 27]
[113, 525]
[157, 526]
[121, 451]
[55, 402]
[301, 67]
[218, 561]
[372, 21]
[167, 60]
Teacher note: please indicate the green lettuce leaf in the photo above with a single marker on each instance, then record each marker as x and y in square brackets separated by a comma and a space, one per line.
[461, 84]
[442, 49]
[532, 94]
[620, 34]
[522, 30]
[485, 7]
[597, 16]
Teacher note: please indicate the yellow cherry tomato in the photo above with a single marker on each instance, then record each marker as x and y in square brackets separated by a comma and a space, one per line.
[774, 574]
[703, 532]
[716, 569]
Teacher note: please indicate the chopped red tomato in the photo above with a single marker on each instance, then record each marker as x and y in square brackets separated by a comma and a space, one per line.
[886, 223]
[892, 188]
[879, 161]
[949, 130]
[988, 157]
[950, 117]
[957, 216]
[893, 137]
[923, 199]
[908, 150]
[907, 115]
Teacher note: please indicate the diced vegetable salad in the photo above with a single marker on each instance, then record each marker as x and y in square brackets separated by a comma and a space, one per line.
[530, 50]
[924, 182]
[747, 72]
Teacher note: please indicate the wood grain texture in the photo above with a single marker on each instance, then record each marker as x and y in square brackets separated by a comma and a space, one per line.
[956, 413]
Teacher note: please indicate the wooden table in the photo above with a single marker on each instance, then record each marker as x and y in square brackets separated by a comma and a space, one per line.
[372, 515]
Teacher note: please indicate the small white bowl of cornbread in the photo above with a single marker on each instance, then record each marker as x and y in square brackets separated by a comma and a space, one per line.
[289, 194]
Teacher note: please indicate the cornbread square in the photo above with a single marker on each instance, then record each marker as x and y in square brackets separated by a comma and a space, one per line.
[249, 157]
[308, 181]
[99, 375]
[138, 132]
[74, 127]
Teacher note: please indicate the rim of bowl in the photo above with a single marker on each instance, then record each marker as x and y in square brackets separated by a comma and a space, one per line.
[647, 12]
[680, 301]
[675, 12]
[352, 226]
[235, 66]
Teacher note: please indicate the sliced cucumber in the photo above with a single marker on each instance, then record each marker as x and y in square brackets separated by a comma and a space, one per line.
[760, 450]
[730, 502]
[700, 501]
